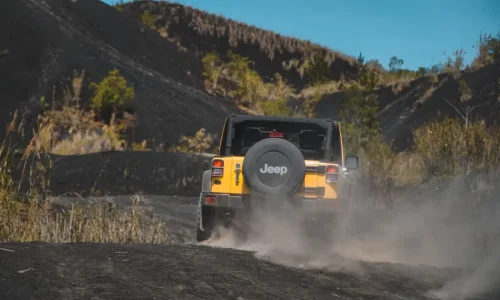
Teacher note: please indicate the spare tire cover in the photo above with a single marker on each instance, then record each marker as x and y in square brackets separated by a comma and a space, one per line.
[273, 167]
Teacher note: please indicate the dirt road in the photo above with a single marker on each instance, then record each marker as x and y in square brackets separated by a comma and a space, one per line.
[184, 270]
[105, 271]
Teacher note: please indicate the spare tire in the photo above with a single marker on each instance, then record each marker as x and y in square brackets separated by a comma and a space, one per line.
[273, 168]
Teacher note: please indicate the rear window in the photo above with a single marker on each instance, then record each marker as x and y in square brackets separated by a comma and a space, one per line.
[308, 138]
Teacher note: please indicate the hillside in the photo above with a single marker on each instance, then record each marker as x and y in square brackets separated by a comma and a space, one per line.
[158, 47]
[424, 99]
[42, 43]
[406, 99]
[272, 53]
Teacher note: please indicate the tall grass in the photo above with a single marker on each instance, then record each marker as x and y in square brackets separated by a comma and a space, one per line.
[31, 217]
[443, 150]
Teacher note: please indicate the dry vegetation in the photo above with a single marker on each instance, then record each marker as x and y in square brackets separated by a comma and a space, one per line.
[32, 218]
[200, 142]
[203, 33]
[65, 128]
[164, 15]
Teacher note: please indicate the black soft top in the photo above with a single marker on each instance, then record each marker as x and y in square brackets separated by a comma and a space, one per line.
[325, 123]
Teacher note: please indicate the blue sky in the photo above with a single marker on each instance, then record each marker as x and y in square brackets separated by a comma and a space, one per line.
[422, 32]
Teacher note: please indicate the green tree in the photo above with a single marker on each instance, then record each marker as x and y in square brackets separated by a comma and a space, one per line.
[213, 67]
[111, 93]
[369, 79]
[395, 64]
[238, 65]
[359, 116]
[494, 47]
[148, 19]
[421, 72]
[361, 59]
[250, 88]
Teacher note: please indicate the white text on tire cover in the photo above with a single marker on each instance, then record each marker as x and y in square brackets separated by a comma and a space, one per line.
[274, 169]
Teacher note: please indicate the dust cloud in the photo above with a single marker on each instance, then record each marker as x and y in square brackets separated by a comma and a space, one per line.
[445, 228]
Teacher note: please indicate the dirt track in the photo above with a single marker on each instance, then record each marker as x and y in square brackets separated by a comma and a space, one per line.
[188, 271]
[105, 271]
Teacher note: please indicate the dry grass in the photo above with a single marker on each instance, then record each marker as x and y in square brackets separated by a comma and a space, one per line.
[450, 147]
[400, 86]
[446, 149]
[200, 142]
[391, 79]
[33, 219]
[41, 221]
[488, 51]
[72, 131]
[237, 32]
[325, 88]
[67, 130]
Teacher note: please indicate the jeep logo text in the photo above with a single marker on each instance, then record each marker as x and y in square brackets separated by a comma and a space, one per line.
[274, 170]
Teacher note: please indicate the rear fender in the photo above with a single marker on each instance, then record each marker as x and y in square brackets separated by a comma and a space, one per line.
[206, 183]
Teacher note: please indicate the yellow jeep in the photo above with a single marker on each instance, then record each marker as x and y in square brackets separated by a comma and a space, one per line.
[266, 159]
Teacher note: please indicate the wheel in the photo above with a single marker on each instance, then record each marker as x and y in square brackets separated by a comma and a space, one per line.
[205, 225]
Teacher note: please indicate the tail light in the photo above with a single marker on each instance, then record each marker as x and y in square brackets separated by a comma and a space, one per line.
[332, 174]
[275, 134]
[217, 168]
[210, 200]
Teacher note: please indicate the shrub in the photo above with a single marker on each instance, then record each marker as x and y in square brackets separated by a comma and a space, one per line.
[148, 19]
[246, 86]
[68, 129]
[455, 63]
[377, 168]
[72, 131]
[142, 146]
[250, 88]
[433, 78]
[488, 50]
[213, 67]
[369, 79]
[278, 89]
[317, 70]
[310, 103]
[275, 107]
[449, 148]
[111, 93]
[201, 142]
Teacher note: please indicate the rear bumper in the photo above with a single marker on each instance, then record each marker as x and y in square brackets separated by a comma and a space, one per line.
[311, 205]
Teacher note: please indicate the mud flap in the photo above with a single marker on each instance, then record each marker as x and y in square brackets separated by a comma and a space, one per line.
[199, 219]
[205, 187]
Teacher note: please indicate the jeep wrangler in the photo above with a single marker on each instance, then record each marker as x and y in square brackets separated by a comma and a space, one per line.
[269, 159]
